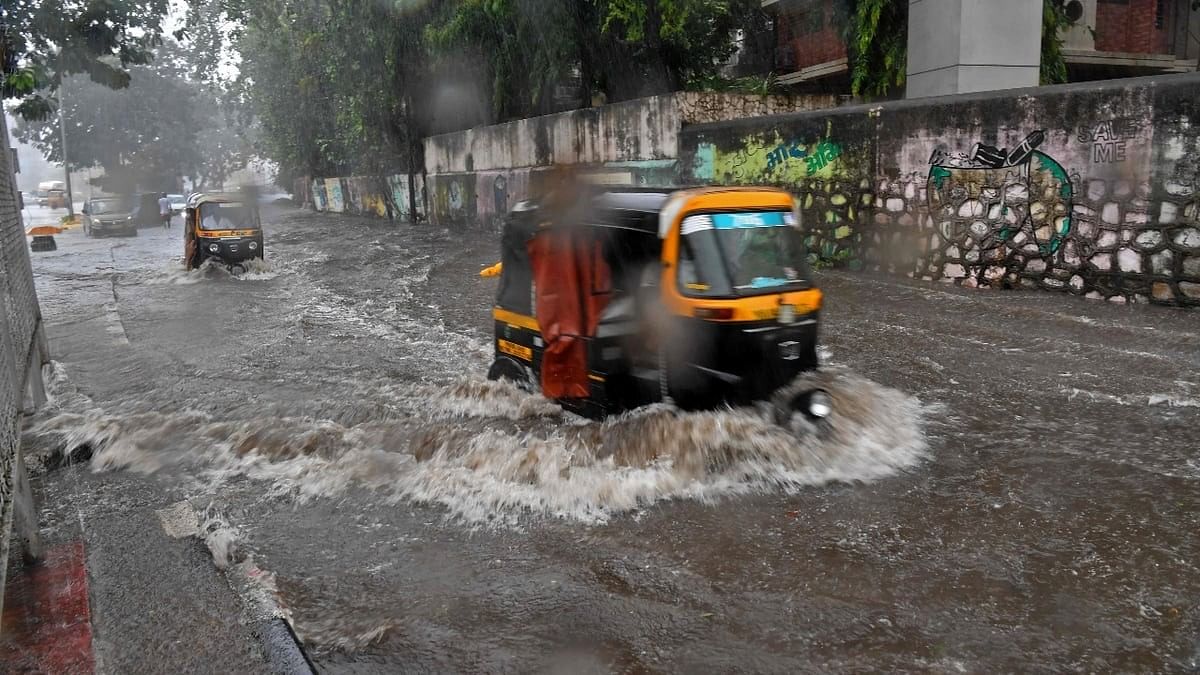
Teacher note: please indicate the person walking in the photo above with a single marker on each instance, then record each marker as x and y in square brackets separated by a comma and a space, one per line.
[164, 210]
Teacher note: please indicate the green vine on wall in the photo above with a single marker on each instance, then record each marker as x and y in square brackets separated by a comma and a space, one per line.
[877, 39]
[1054, 24]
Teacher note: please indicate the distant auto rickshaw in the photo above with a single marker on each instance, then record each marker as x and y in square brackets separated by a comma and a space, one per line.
[700, 295]
[56, 199]
[221, 226]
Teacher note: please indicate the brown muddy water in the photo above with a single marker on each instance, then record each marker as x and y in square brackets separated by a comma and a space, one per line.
[1010, 482]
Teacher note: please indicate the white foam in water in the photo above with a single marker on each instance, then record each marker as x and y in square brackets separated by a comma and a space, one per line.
[484, 467]
[256, 269]
[176, 274]
[1173, 401]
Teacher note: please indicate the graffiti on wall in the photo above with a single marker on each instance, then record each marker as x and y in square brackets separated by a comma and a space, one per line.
[454, 198]
[398, 187]
[333, 192]
[775, 161]
[500, 194]
[821, 155]
[320, 201]
[1109, 139]
[992, 201]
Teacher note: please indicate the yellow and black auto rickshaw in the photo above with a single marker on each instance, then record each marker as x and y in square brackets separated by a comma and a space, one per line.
[700, 295]
[221, 226]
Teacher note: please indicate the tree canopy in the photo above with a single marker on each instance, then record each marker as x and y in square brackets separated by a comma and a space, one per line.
[418, 67]
[44, 41]
[133, 101]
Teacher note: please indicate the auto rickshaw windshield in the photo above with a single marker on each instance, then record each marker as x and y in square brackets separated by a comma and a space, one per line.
[226, 216]
[744, 253]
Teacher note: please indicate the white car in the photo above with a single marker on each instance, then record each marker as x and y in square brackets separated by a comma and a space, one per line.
[178, 202]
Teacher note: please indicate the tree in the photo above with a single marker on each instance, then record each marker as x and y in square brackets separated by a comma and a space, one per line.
[877, 41]
[162, 127]
[142, 135]
[525, 47]
[657, 46]
[623, 48]
[44, 41]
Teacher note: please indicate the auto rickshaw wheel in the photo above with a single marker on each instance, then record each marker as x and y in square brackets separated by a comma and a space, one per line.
[504, 368]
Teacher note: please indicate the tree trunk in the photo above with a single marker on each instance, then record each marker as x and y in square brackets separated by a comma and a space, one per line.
[409, 141]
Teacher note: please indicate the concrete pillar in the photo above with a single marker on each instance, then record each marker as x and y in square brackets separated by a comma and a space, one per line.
[958, 46]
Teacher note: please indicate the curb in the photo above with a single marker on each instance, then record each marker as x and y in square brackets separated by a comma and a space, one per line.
[283, 650]
[255, 586]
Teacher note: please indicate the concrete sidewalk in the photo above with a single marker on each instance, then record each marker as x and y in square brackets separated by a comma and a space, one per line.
[157, 603]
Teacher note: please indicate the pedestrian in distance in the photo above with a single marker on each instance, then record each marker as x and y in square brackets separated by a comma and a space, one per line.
[164, 210]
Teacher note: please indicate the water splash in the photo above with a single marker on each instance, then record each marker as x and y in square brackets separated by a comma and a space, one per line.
[176, 274]
[490, 452]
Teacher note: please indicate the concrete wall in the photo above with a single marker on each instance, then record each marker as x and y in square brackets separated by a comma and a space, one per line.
[378, 196]
[22, 353]
[475, 175]
[1091, 189]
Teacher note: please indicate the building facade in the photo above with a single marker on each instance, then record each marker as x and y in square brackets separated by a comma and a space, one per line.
[1108, 38]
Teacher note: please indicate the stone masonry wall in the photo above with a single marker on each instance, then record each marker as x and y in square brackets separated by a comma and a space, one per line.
[1089, 189]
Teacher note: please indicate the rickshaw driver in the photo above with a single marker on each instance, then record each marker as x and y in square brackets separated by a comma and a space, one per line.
[214, 219]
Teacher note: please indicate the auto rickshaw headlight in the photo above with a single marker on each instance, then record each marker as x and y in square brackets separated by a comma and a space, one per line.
[253, 246]
[213, 248]
[820, 406]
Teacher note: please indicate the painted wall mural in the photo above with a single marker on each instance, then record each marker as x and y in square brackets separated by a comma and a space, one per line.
[320, 199]
[398, 187]
[333, 192]
[995, 209]
[1090, 191]
[773, 160]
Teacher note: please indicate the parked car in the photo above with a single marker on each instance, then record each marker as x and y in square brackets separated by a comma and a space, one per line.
[109, 215]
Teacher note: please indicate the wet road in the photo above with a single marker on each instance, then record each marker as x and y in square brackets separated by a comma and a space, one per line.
[327, 407]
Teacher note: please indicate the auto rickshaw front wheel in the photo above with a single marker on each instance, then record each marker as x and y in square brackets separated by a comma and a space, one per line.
[505, 368]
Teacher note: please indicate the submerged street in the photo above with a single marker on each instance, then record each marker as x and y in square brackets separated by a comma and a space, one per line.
[1011, 481]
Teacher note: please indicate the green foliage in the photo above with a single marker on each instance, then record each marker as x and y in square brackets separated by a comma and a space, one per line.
[526, 46]
[161, 127]
[43, 41]
[667, 43]
[333, 84]
[876, 35]
[754, 85]
[376, 77]
[842, 257]
[1054, 22]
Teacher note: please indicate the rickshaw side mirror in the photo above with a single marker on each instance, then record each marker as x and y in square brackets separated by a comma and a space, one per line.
[84, 210]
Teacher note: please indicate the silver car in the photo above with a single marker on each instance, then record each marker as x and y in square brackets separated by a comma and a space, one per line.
[109, 215]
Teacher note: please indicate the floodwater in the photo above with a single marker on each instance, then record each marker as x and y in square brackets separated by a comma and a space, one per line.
[1010, 481]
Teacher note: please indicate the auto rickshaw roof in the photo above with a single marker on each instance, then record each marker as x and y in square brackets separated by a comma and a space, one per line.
[197, 198]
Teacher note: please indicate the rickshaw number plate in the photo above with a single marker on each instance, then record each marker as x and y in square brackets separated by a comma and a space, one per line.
[787, 313]
[514, 349]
